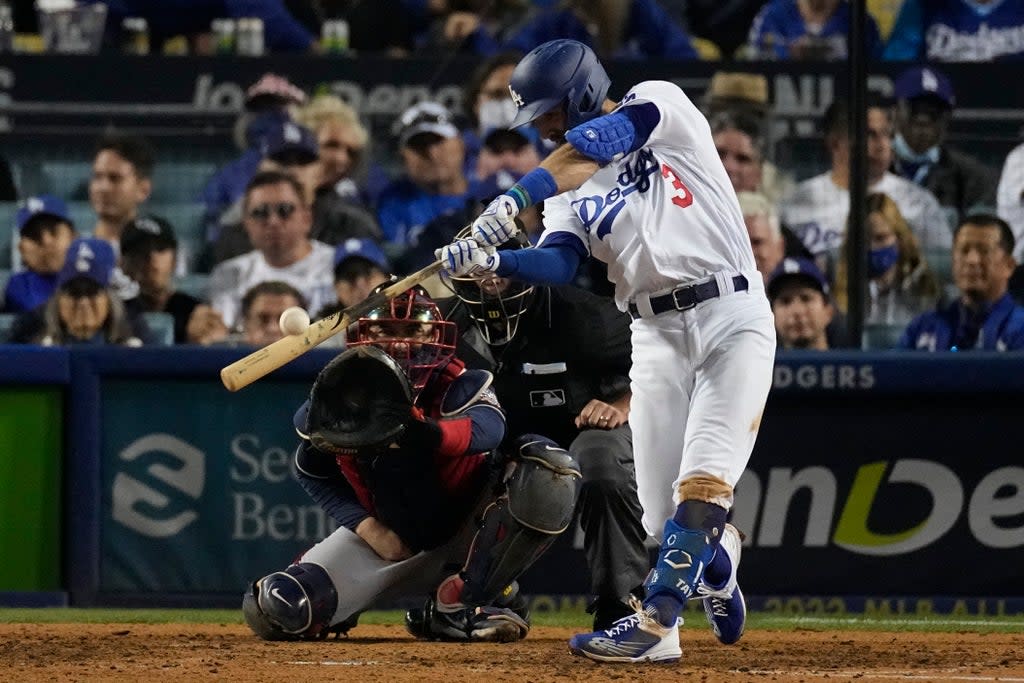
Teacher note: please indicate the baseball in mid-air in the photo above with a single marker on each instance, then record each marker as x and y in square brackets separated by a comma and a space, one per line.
[294, 320]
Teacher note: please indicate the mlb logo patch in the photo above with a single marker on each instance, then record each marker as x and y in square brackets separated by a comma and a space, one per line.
[547, 398]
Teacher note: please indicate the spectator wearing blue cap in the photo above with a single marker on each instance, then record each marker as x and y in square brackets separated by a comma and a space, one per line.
[45, 231]
[268, 102]
[924, 107]
[359, 266]
[799, 295]
[85, 308]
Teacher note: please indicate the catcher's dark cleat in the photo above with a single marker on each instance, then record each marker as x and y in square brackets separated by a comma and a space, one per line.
[416, 623]
[486, 624]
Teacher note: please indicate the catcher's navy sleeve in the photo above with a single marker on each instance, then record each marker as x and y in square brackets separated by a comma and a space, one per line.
[472, 420]
[328, 488]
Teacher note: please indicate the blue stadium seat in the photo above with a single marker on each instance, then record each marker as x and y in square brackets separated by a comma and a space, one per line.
[940, 261]
[7, 237]
[194, 283]
[882, 337]
[69, 180]
[184, 216]
[162, 327]
[180, 181]
[6, 323]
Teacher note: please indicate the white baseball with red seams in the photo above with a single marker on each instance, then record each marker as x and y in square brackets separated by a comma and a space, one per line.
[661, 216]
[294, 320]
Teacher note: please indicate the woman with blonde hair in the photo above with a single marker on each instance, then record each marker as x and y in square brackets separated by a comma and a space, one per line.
[342, 140]
[901, 285]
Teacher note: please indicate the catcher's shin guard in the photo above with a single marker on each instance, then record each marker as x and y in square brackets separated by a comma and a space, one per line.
[290, 605]
[518, 527]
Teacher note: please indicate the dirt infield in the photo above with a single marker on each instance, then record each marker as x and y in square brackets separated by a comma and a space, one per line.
[183, 652]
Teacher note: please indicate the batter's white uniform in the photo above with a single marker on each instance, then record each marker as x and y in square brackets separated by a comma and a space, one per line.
[660, 217]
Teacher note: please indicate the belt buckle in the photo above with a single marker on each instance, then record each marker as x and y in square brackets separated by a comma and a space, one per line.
[684, 306]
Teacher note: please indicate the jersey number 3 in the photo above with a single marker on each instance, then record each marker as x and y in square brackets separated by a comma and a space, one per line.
[682, 197]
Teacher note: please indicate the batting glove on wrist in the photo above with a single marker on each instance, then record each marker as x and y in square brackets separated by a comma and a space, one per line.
[497, 224]
[467, 258]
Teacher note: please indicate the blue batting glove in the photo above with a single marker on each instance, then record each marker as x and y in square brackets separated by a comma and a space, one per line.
[497, 224]
[465, 257]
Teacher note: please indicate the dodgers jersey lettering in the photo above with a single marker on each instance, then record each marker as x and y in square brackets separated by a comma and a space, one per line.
[661, 215]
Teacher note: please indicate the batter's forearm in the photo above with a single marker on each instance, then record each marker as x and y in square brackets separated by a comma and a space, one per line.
[569, 167]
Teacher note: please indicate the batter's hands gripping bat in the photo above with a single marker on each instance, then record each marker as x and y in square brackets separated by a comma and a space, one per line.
[261, 363]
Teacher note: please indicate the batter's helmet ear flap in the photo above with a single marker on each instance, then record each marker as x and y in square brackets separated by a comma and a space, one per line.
[556, 72]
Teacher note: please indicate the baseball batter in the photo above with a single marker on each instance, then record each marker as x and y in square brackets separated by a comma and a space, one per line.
[639, 185]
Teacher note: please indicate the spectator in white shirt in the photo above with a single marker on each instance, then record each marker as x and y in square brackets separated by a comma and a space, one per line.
[817, 210]
[278, 222]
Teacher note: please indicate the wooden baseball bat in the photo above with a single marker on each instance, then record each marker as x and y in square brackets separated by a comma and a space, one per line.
[261, 363]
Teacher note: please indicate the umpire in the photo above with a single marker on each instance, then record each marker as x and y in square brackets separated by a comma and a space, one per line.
[560, 358]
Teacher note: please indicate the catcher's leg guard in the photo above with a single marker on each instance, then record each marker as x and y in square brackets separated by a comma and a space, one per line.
[522, 524]
[296, 603]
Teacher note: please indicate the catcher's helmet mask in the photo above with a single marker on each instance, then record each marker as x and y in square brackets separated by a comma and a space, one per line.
[410, 329]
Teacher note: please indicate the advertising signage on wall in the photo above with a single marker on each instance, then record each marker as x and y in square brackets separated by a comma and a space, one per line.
[872, 475]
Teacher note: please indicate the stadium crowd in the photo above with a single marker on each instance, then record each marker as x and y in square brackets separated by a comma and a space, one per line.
[310, 214]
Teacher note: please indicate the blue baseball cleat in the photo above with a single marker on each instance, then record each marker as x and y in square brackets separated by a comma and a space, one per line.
[636, 638]
[724, 605]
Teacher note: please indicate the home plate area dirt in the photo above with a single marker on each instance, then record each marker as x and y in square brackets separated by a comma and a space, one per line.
[201, 652]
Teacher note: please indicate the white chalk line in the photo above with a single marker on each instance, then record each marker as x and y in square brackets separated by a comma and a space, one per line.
[909, 621]
[898, 675]
[329, 662]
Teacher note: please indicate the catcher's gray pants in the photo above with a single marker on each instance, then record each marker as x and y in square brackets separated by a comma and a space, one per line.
[609, 512]
[361, 578]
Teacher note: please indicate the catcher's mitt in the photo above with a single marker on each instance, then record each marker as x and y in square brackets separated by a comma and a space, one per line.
[360, 402]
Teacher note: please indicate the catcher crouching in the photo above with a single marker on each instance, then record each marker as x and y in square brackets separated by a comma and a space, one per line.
[399, 444]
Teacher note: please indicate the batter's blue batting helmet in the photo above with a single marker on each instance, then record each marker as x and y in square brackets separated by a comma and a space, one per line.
[557, 71]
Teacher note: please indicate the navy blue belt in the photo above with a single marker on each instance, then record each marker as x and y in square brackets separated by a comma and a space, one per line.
[686, 297]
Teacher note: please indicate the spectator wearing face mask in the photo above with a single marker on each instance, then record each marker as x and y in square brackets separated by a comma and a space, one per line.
[924, 107]
[489, 107]
[901, 286]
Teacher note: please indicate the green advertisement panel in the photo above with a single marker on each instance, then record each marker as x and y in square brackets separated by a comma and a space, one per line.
[198, 494]
[31, 447]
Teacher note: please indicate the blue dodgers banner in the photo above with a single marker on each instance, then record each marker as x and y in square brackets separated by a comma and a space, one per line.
[198, 494]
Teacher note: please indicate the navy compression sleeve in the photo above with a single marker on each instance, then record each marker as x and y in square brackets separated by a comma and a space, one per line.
[554, 263]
